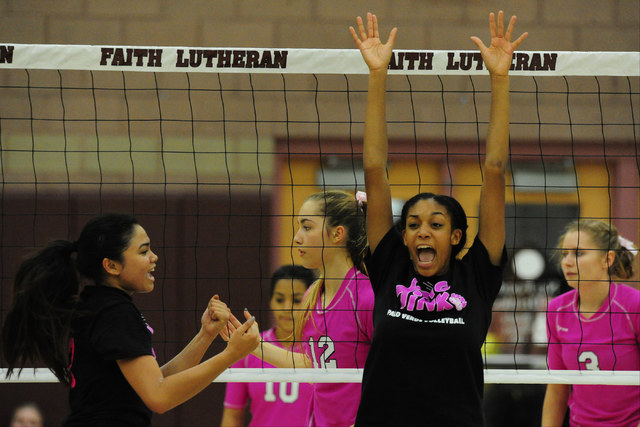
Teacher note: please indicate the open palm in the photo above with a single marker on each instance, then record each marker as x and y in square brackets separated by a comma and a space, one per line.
[376, 54]
[497, 57]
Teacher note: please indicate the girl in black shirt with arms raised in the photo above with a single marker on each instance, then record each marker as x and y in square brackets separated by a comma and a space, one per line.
[432, 309]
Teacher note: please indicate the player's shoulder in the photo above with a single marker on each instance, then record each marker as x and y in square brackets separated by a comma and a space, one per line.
[627, 295]
[627, 289]
[364, 285]
[563, 300]
[358, 293]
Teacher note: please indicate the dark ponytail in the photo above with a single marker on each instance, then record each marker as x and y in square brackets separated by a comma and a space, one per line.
[38, 325]
[46, 293]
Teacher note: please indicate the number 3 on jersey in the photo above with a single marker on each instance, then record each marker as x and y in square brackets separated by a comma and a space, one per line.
[590, 360]
[325, 349]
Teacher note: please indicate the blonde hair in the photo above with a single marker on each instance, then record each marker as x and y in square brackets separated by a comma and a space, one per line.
[606, 237]
[339, 208]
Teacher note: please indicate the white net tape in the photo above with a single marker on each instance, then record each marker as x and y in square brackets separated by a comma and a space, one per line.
[491, 376]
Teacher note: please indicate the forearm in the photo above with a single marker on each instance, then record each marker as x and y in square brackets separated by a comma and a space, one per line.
[232, 418]
[555, 405]
[492, 195]
[190, 356]
[281, 358]
[375, 128]
[375, 155]
[178, 388]
[498, 131]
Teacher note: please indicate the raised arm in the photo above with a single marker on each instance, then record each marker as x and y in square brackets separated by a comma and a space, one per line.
[377, 56]
[497, 59]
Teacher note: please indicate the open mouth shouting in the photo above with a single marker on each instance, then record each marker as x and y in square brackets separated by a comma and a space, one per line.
[425, 259]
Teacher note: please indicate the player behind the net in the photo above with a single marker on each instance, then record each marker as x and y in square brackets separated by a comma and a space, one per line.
[273, 404]
[594, 327]
[335, 327]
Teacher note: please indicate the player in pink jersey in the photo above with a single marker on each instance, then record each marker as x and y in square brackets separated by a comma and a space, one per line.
[338, 334]
[273, 404]
[336, 325]
[595, 326]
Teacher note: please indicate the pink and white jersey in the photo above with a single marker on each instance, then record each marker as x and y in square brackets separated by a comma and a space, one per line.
[340, 337]
[607, 341]
[272, 404]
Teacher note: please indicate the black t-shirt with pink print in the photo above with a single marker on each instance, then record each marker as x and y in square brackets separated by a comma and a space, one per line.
[425, 364]
[109, 328]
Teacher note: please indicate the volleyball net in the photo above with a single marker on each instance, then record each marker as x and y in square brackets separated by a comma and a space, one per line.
[214, 150]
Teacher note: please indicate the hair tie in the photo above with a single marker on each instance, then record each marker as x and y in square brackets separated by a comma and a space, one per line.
[628, 245]
[361, 198]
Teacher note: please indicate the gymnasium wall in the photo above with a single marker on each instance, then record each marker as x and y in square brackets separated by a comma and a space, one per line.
[439, 24]
[553, 26]
[442, 24]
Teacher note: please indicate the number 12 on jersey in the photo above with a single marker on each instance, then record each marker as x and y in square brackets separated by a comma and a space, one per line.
[325, 348]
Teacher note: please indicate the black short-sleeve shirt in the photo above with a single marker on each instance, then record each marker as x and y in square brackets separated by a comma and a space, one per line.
[425, 364]
[109, 328]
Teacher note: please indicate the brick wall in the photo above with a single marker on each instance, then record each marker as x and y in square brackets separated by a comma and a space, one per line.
[440, 24]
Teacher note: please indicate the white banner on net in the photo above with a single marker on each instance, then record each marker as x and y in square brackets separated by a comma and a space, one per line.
[491, 376]
[305, 61]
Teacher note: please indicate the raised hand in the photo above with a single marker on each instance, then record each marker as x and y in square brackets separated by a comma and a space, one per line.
[497, 57]
[215, 317]
[230, 327]
[233, 324]
[244, 337]
[376, 54]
